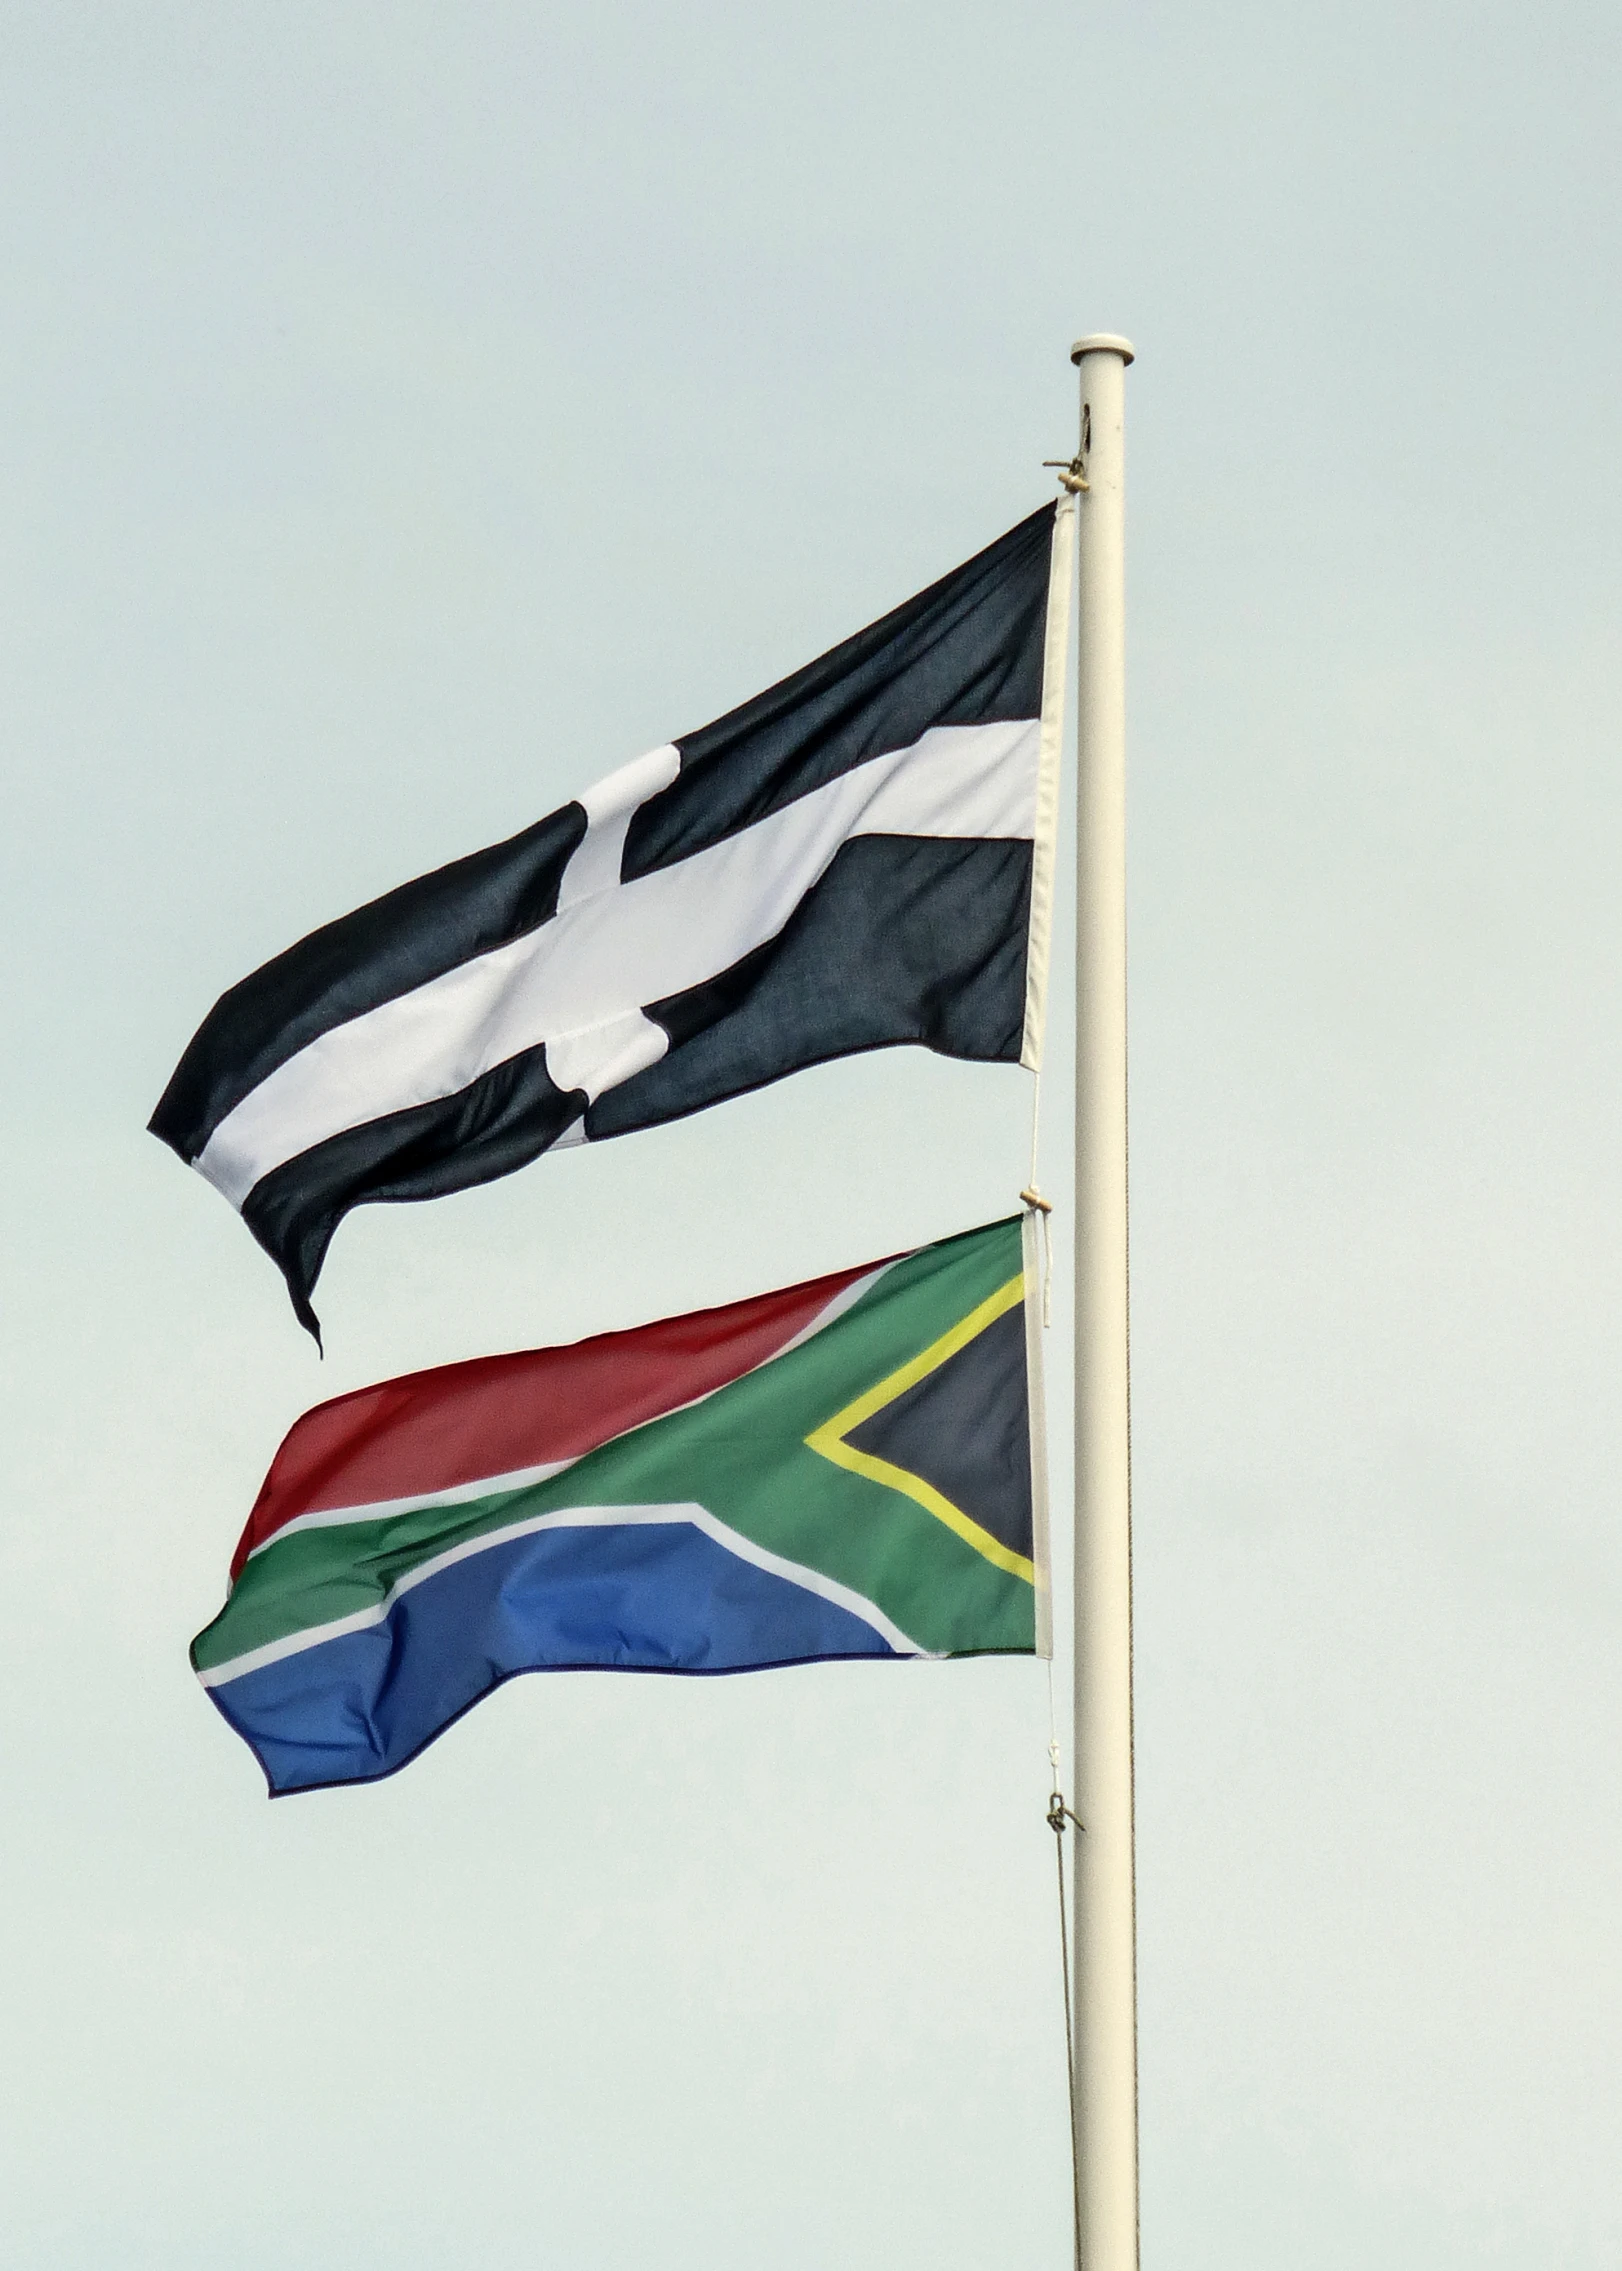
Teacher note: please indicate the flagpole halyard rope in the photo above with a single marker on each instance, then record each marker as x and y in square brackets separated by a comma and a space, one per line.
[1032, 1197]
[1058, 1817]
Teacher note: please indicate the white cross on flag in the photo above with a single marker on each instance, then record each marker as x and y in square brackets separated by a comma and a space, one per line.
[858, 857]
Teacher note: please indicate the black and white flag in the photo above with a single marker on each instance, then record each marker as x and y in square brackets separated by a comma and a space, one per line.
[861, 856]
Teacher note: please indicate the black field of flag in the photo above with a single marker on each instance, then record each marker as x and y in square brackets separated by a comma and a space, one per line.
[860, 856]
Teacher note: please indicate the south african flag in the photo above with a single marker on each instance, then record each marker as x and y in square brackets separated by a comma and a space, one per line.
[847, 1468]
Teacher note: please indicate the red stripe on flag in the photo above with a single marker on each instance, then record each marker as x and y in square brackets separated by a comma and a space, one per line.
[497, 1414]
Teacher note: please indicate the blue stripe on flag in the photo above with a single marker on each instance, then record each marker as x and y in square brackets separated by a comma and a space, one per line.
[646, 1597]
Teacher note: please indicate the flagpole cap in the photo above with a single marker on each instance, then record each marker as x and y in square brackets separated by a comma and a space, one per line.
[1103, 343]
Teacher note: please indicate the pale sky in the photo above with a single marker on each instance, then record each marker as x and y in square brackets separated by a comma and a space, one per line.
[406, 415]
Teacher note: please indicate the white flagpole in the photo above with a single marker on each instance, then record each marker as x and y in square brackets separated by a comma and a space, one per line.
[1105, 1974]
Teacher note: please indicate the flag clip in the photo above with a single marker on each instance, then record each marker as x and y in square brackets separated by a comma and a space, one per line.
[1072, 472]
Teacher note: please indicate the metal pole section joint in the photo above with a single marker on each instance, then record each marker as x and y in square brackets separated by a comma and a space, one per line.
[1105, 1973]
